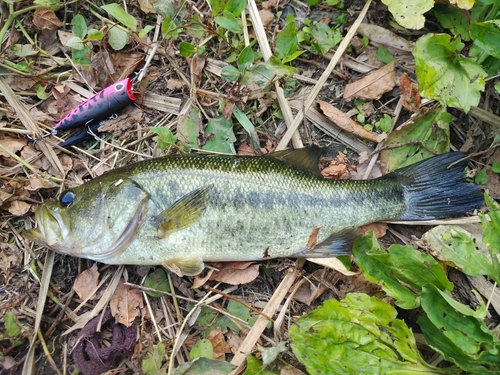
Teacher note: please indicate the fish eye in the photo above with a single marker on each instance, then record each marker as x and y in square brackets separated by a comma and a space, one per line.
[119, 87]
[67, 198]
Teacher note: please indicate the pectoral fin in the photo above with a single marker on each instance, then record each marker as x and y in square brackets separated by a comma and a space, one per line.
[185, 266]
[184, 212]
[337, 243]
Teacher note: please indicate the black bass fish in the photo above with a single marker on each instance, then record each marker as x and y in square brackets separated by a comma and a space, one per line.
[181, 211]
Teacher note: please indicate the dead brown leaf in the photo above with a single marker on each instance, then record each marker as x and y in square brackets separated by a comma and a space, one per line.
[46, 19]
[128, 118]
[310, 290]
[313, 238]
[14, 145]
[219, 344]
[126, 304]
[343, 121]
[86, 282]
[37, 182]
[174, 84]
[234, 341]
[19, 208]
[410, 98]
[379, 229]
[9, 257]
[147, 6]
[235, 273]
[267, 17]
[373, 85]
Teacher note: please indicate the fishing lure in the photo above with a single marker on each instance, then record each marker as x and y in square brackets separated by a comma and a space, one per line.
[87, 133]
[98, 107]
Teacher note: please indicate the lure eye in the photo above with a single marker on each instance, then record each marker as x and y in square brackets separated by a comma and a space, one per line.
[119, 87]
[67, 198]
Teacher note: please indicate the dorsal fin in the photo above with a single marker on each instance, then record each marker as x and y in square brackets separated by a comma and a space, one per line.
[306, 158]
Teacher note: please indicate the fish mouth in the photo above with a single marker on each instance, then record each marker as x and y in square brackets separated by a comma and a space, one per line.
[52, 227]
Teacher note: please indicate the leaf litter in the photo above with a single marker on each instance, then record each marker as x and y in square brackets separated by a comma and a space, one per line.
[54, 82]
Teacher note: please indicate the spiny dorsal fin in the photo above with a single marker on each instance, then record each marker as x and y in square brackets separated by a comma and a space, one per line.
[306, 158]
[184, 212]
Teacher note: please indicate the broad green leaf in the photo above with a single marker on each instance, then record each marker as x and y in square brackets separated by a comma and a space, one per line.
[12, 327]
[189, 128]
[206, 317]
[186, 49]
[230, 73]
[455, 331]
[444, 75]
[40, 92]
[409, 14]
[457, 245]
[255, 367]
[481, 177]
[157, 280]
[217, 6]
[117, 38]
[238, 310]
[79, 28]
[430, 129]
[491, 233]
[269, 355]
[246, 58]
[170, 29]
[173, 9]
[287, 40]
[453, 19]
[145, 31]
[202, 348]
[486, 35]
[497, 87]
[248, 126]
[24, 50]
[203, 366]
[228, 21]
[121, 15]
[165, 137]
[219, 136]
[495, 167]
[397, 268]
[358, 335]
[95, 35]
[325, 38]
[235, 6]
[75, 43]
[152, 364]
[384, 55]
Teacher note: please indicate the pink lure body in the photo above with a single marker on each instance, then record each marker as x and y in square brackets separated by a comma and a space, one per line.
[100, 106]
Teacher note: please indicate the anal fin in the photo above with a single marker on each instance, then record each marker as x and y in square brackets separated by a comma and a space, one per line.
[337, 243]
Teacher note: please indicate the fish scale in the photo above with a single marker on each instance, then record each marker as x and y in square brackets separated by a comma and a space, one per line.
[181, 211]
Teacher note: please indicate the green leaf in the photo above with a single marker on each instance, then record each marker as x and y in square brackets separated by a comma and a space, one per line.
[238, 310]
[189, 128]
[430, 129]
[495, 167]
[491, 233]
[235, 6]
[79, 28]
[203, 366]
[170, 29]
[409, 14]
[445, 76]
[95, 35]
[385, 123]
[248, 126]
[152, 364]
[145, 31]
[486, 35]
[165, 137]
[228, 21]
[325, 37]
[157, 280]
[202, 348]
[287, 40]
[40, 92]
[269, 355]
[397, 267]
[206, 317]
[217, 6]
[220, 136]
[12, 327]
[453, 19]
[384, 55]
[457, 245]
[75, 43]
[117, 38]
[458, 333]
[497, 87]
[481, 177]
[23, 50]
[186, 49]
[246, 58]
[121, 15]
[358, 335]
[230, 73]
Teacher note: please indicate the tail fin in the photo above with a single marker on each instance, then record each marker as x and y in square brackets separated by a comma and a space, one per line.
[435, 188]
